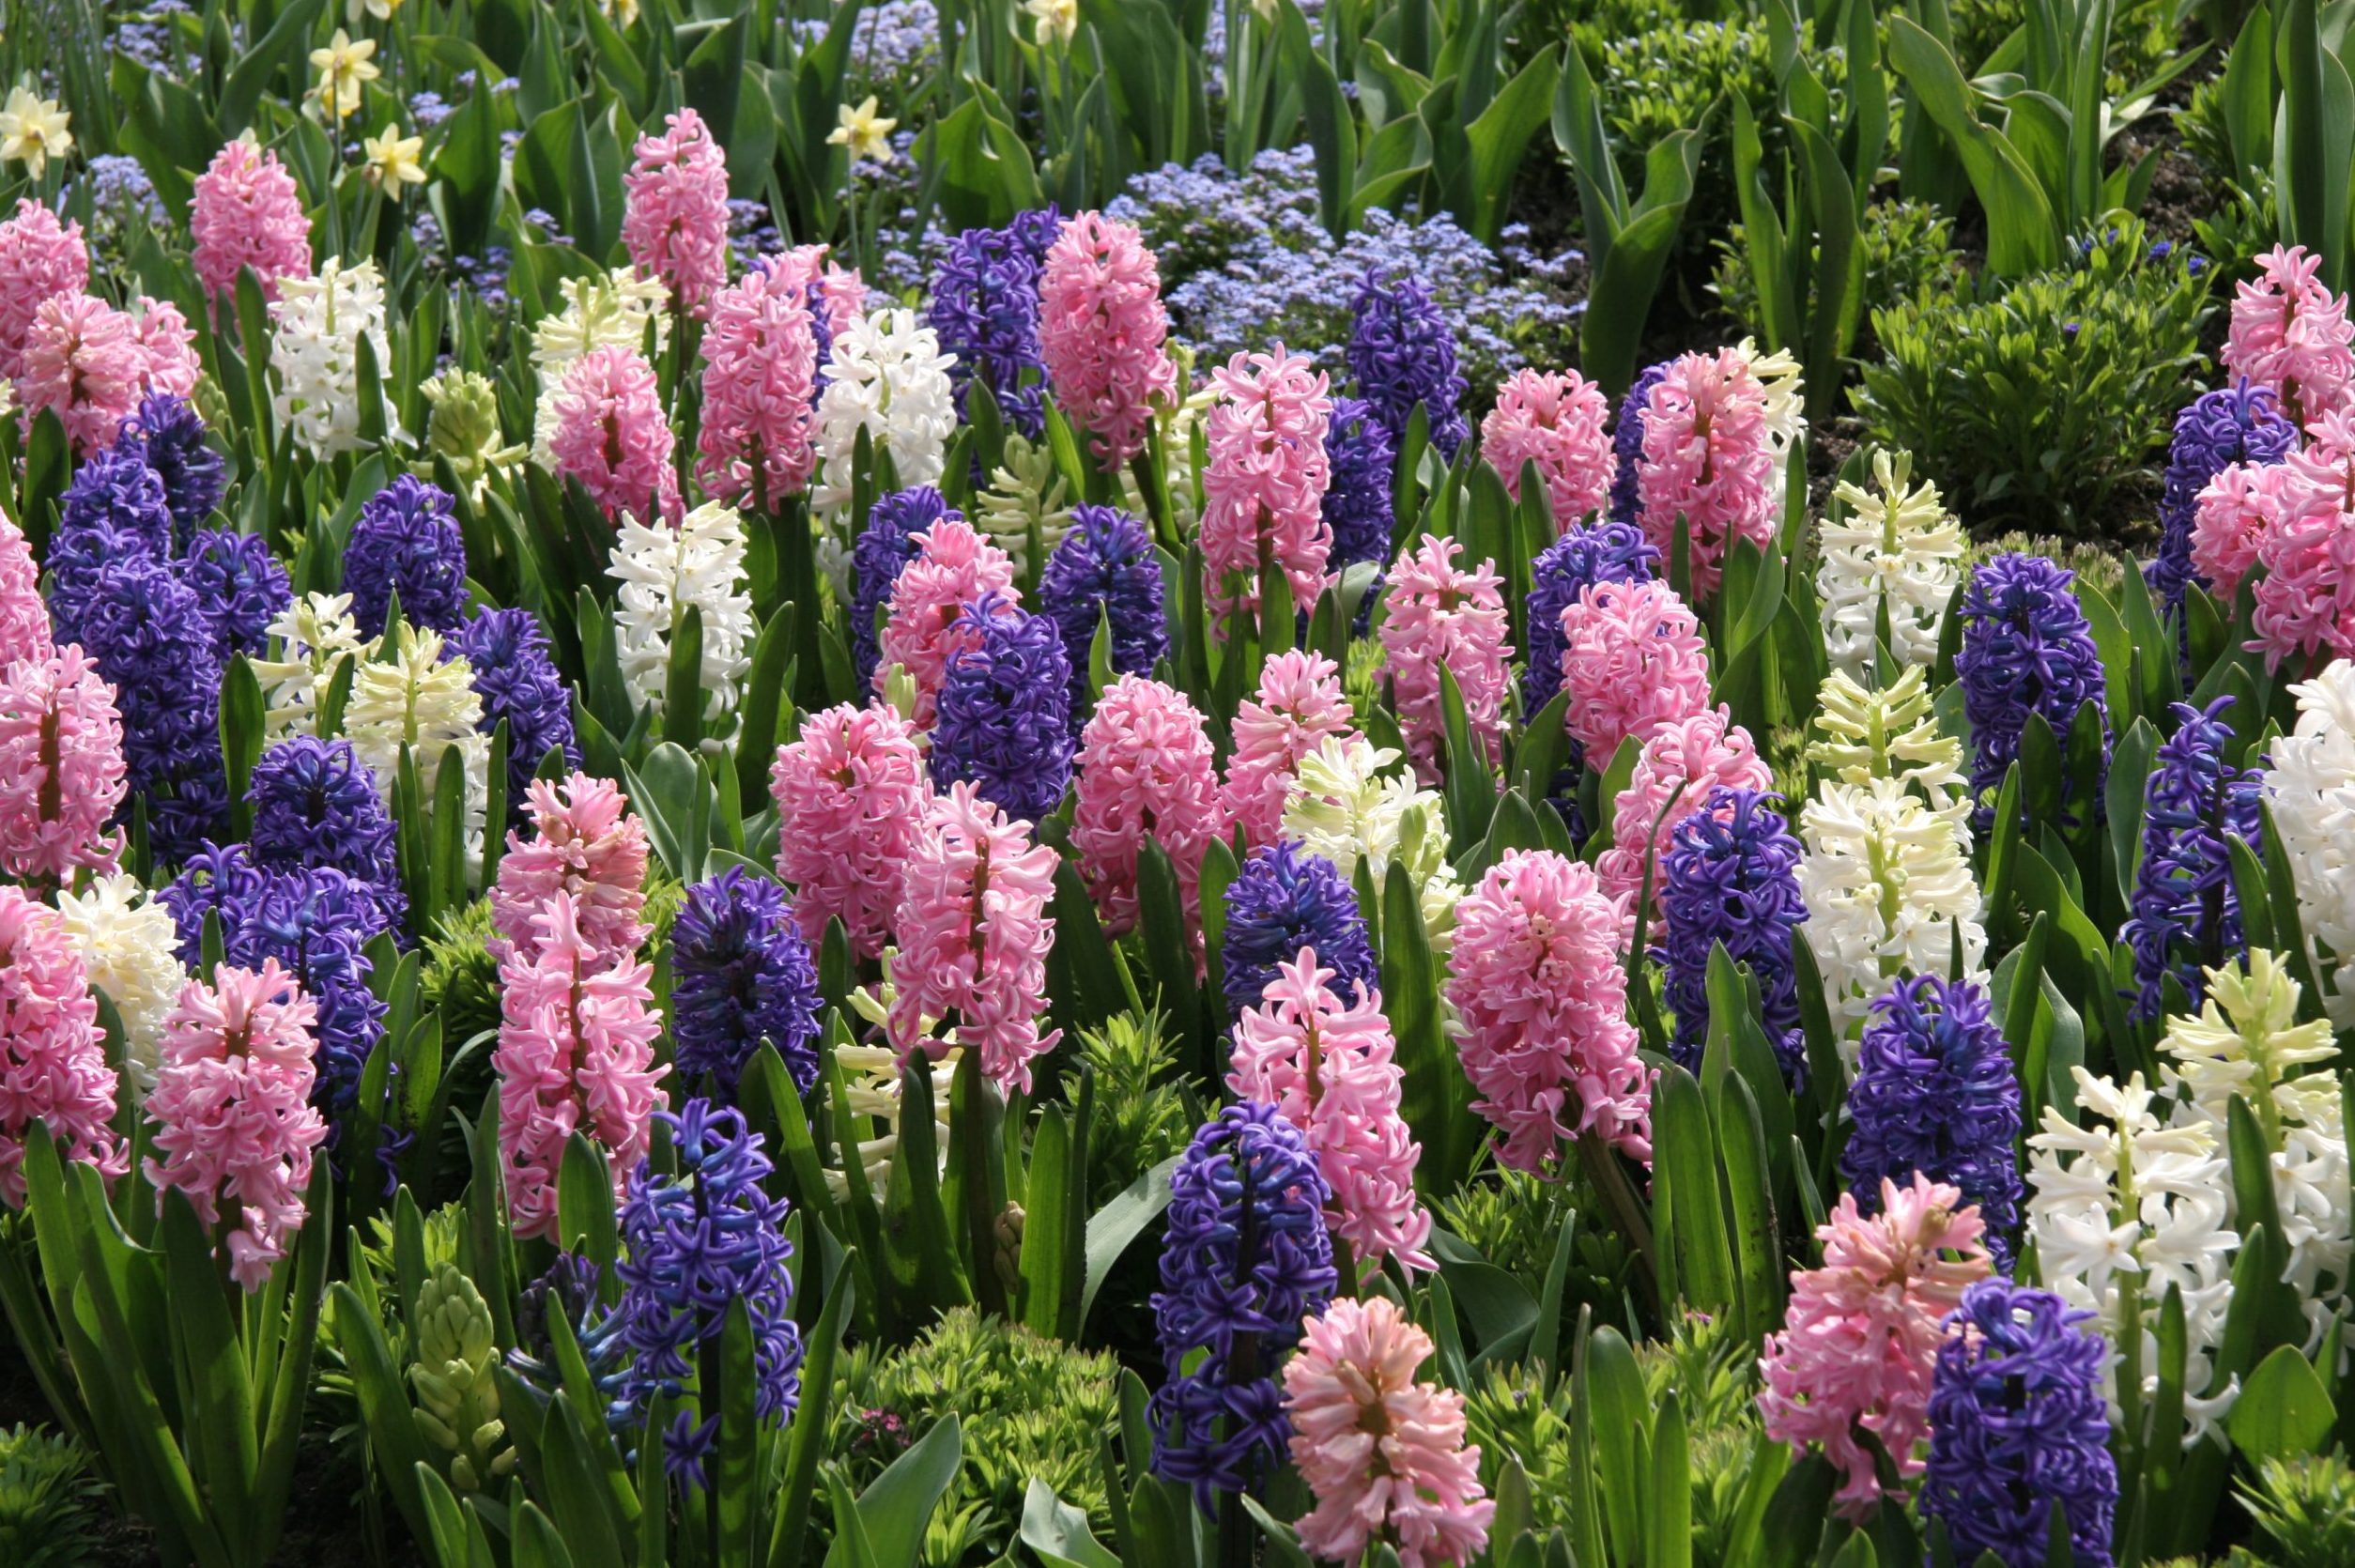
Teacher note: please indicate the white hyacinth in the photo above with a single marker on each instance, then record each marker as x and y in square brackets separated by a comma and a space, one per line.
[1347, 803]
[1894, 545]
[662, 572]
[311, 636]
[611, 311]
[1888, 889]
[886, 375]
[1859, 736]
[1786, 396]
[2310, 785]
[316, 324]
[412, 697]
[130, 947]
[870, 1077]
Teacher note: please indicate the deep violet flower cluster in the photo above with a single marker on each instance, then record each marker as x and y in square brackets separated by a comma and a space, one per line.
[168, 434]
[1247, 1257]
[406, 541]
[1105, 571]
[886, 543]
[517, 679]
[1402, 352]
[1285, 900]
[241, 587]
[1731, 875]
[2027, 648]
[1363, 455]
[694, 1243]
[115, 502]
[2186, 907]
[740, 974]
[1936, 1093]
[2239, 424]
[985, 311]
[1628, 444]
[315, 803]
[1003, 719]
[1585, 555]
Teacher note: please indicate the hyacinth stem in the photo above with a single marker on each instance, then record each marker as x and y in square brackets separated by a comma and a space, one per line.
[1626, 1208]
[1152, 484]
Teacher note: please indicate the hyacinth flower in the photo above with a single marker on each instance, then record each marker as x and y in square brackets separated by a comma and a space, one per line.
[954, 567]
[1861, 1334]
[61, 768]
[615, 310]
[313, 634]
[973, 935]
[884, 375]
[1383, 1454]
[1264, 487]
[417, 694]
[740, 975]
[24, 618]
[1680, 764]
[1145, 766]
[1103, 334]
[674, 211]
[1890, 891]
[2027, 648]
[517, 680]
[168, 435]
[2234, 516]
[985, 310]
[1104, 573]
[2186, 906]
[611, 435]
[1729, 878]
[1329, 1066]
[1246, 1258]
[694, 1244]
[1633, 659]
[586, 844]
[90, 363]
[1402, 352]
[2309, 784]
[695, 562]
[1362, 456]
[1584, 555]
[894, 535]
[1002, 721]
[2239, 426]
[761, 360]
[1892, 550]
[315, 805]
[406, 541]
[576, 1053]
[316, 324]
[52, 1054]
[1285, 900]
[40, 257]
[1298, 706]
[128, 948]
[2305, 603]
[1555, 421]
[2017, 1429]
[2291, 336]
[248, 214]
[241, 588]
[232, 1112]
[850, 793]
[1348, 804]
[1437, 616]
[1889, 731]
[1627, 504]
[1709, 461]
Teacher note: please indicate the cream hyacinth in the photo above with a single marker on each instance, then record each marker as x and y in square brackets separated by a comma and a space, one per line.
[2310, 785]
[311, 636]
[409, 696]
[1349, 803]
[1859, 736]
[871, 1074]
[1027, 505]
[663, 571]
[1893, 546]
[129, 949]
[886, 375]
[316, 324]
[609, 311]
[1888, 889]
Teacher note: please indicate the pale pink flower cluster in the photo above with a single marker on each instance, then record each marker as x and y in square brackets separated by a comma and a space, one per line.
[53, 1055]
[1536, 984]
[674, 211]
[1103, 332]
[954, 566]
[2232, 518]
[1329, 1067]
[576, 1054]
[38, 257]
[851, 797]
[2305, 603]
[840, 293]
[232, 1110]
[611, 436]
[1708, 458]
[1557, 422]
[1145, 765]
[1263, 488]
[1632, 660]
[2289, 333]
[1861, 1334]
[587, 844]
[1438, 615]
[1683, 760]
[247, 212]
[91, 363]
[61, 768]
[1383, 1454]
[760, 366]
[1299, 703]
[24, 618]
[973, 933]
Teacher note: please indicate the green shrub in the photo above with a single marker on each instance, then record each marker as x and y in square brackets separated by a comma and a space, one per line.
[1909, 255]
[1140, 1119]
[45, 1487]
[2305, 1510]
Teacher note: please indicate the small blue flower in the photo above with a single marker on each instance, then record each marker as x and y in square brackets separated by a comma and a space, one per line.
[1003, 721]
[740, 974]
[406, 540]
[1285, 900]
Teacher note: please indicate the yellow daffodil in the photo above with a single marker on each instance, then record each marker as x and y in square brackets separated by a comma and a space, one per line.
[393, 161]
[1054, 21]
[344, 68]
[32, 130]
[381, 9]
[866, 134]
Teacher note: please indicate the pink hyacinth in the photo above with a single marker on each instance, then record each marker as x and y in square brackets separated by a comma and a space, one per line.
[674, 211]
[1437, 616]
[231, 1105]
[1299, 703]
[840, 294]
[52, 1054]
[1679, 766]
[2239, 510]
[1861, 1334]
[973, 935]
[585, 843]
[1537, 981]
[1632, 660]
[1383, 1454]
[1557, 422]
[1263, 491]
[1329, 1067]
[2289, 333]
[851, 797]
[247, 212]
[91, 363]
[1707, 459]
[760, 364]
[1102, 329]
[24, 618]
[2305, 603]
[61, 768]
[1145, 766]
[611, 435]
[954, 566]
[38, 257]
[576, 1053]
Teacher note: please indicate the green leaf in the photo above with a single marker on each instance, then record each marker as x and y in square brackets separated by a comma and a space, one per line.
[2023, 233]
[1111, 1229]
[2284, 1410]
[892, 1512]
[1058, 1533]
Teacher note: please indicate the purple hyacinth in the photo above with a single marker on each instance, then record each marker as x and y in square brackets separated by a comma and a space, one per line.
[1004, 718]
[2017, 1424]
[2239, 424]
[2027, 648]
[887, 543]
[406, 541]
[985, 310]
[168, 434]
[1585, 555]
[2187, 908]
[315, 803]
[1627, 443]
[518, 682]
[1731, 875]
[1365, 459]
[115, 494]
[1936, 1092]
[241, 586]
[1285, 900]
[1246, 1257]
[1104, 569]
[1402, 352]
[740, 974]
[694, 1244]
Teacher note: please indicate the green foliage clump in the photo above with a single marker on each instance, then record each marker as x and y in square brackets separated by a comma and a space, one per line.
[2306, 1509]
[1714, 1375]
[1140, 1119]
[45, 1487]
[2031, 405]
[1509, 1416]
[1909, 257]
[460, 979]
[1515, 1222]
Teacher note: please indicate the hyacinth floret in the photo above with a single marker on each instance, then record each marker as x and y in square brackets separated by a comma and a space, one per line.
[23, 617]
[1359, 502]
[38, 257]
[1709, 461]
[954, 567]
[2290, 334]
[1145, 767]
[315, 804]
[611, 434]
[1627, 443]
[1633, 659]
[586, 844]
[1892, 556]
[61, 768]
[741, 973]
[1679, 766]
[1555, 421]
[248, 212]
[1298, 706]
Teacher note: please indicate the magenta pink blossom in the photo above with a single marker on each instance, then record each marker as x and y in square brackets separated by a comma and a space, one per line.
[1299, 703]
[24, 618]
[2240, 509]
[674, 211]
[248, 214]
[1437, 616]
[1145, 766]
[2305, 603]
[1101, 333]
[91, 363]
[611, 436]
[1557, 422]
[38, 257]
[1707, 458]
[585, 843]
[1632, 660]
[1682, 761]
[760, 365]
[2289, 333]
[61, 768]
[841, 293]
[954, 566]
[1263, 489]
[52, 1054]
[851, 799]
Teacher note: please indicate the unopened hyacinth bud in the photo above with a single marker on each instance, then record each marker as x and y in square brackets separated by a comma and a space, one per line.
[454, 1375]
[464, 425]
